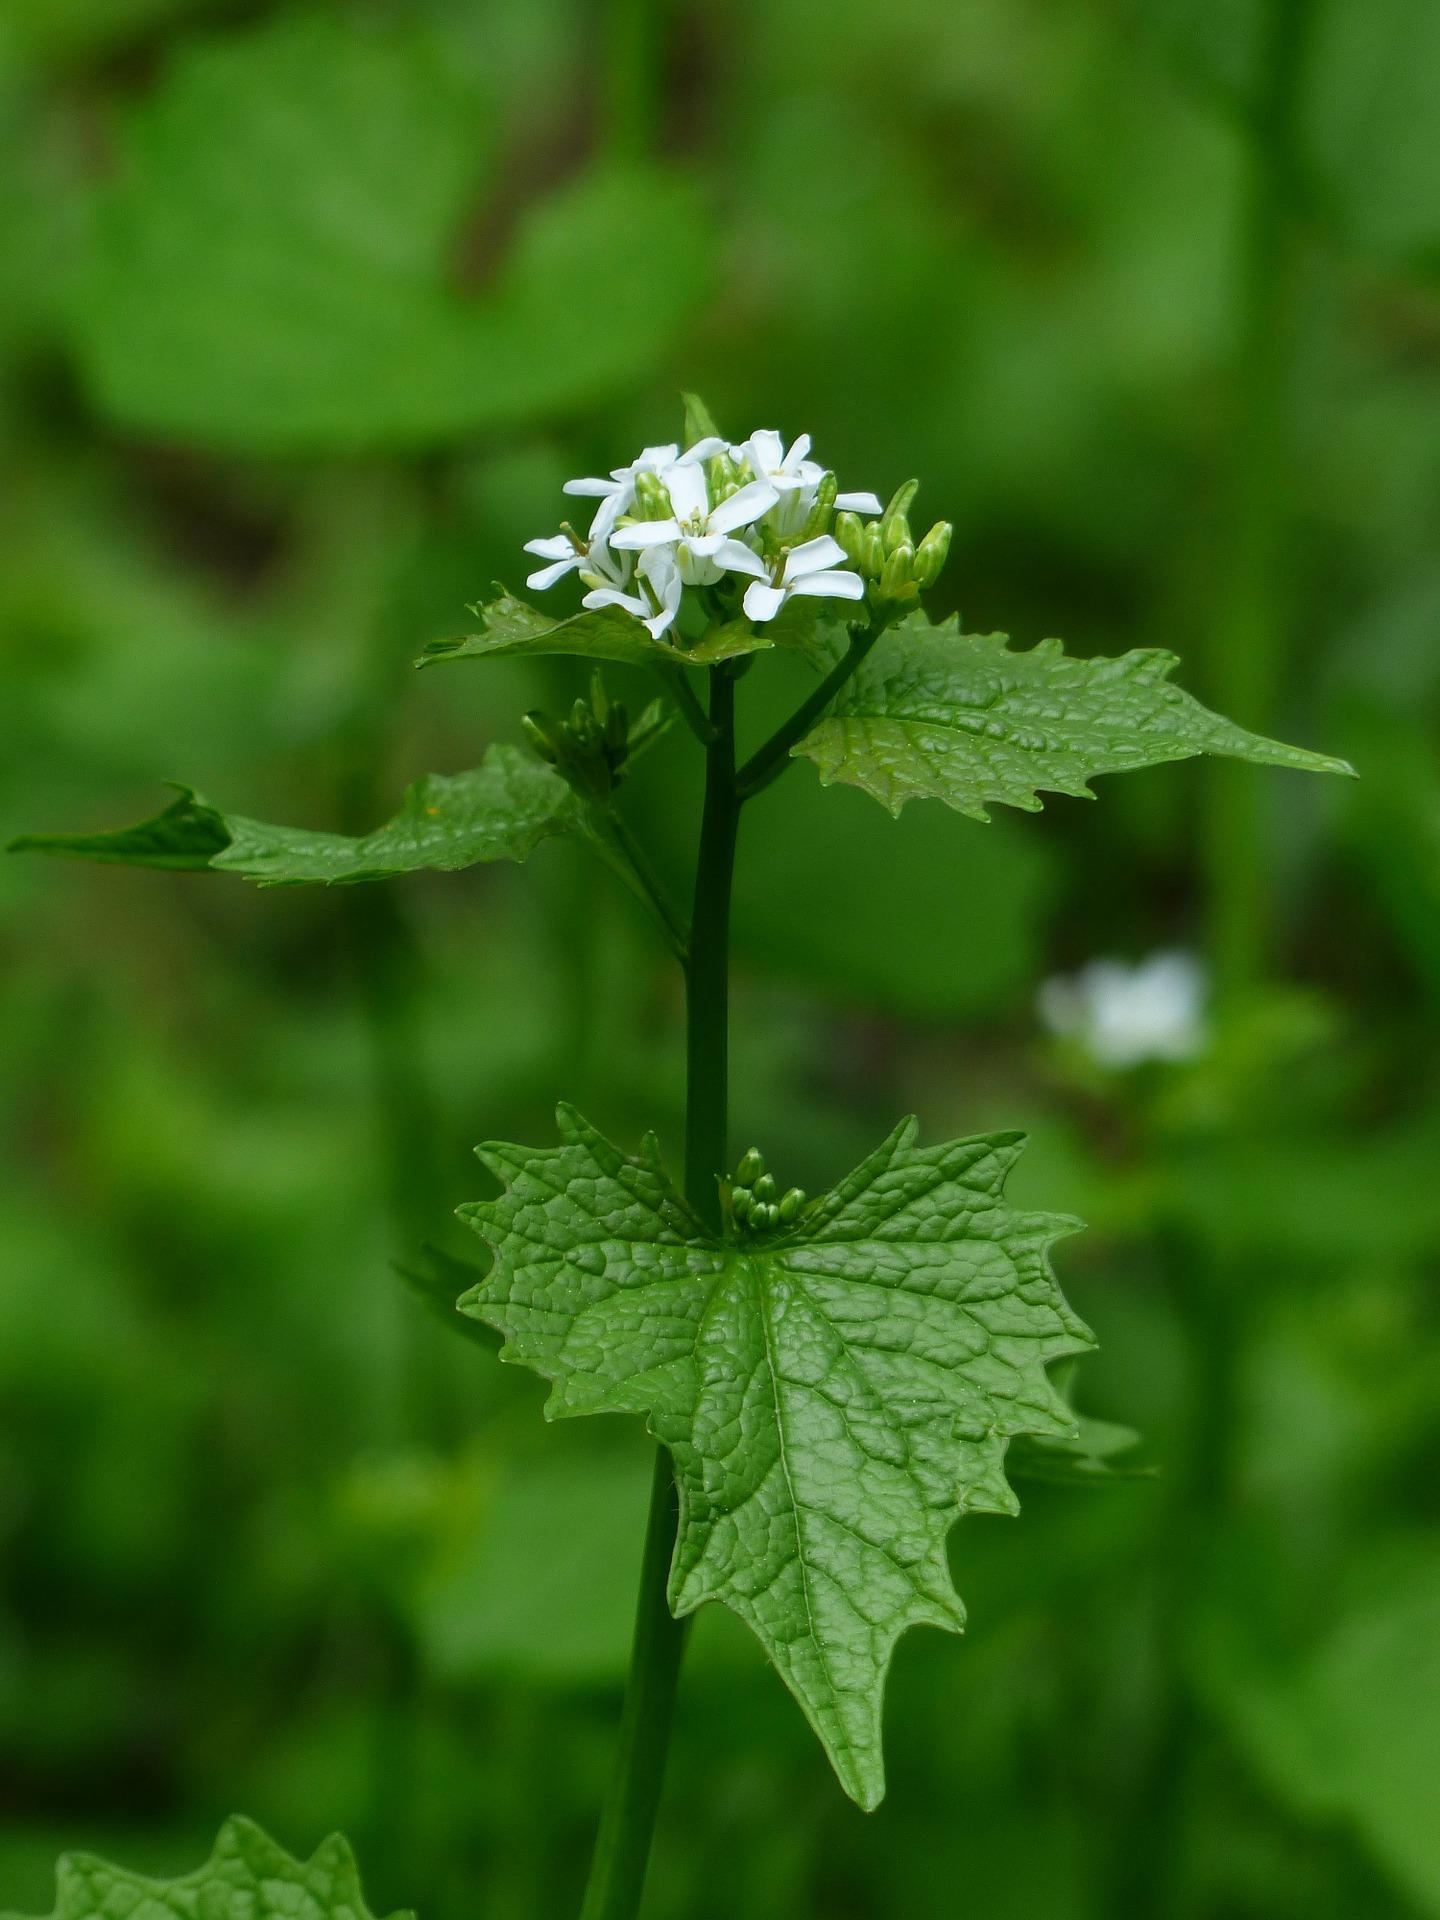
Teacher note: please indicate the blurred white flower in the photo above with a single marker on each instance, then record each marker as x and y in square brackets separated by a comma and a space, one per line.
[808, 569]
[1123, 1015]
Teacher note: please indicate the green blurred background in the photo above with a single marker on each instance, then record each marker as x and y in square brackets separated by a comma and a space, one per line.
[305, 314]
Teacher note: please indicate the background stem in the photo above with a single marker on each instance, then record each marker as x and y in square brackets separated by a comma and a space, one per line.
[622, 1847]
[1248, 640]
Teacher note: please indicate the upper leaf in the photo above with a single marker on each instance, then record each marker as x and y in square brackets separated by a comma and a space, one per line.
[509, 626]
[247, 1877]
[501, 810]
[273, 265]
[936, 713]
[833, 1396]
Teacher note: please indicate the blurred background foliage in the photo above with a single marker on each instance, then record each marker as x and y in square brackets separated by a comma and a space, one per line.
[305, 313]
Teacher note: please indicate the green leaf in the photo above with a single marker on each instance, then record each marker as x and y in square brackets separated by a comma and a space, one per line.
[273, 265]
[501, 810]
[936, 714]
[833, 1397]
[509, 626]
[247, 1877]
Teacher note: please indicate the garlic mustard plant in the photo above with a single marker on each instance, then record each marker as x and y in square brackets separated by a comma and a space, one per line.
[833, 1379]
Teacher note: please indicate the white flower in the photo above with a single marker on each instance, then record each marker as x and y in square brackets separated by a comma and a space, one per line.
[596, 565]
[698, 538]
[1123, 1015]
[795, 477]
[808, 569]
[617, 494]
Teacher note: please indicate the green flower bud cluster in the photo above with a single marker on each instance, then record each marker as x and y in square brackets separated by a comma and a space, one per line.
[727, 476]
[885, 552]
[590, 748]
[652, 499]
[754, 1202]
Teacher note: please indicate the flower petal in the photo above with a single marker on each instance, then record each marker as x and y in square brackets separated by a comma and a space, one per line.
[612, 597]
[765, 450]
[830, 586]
[705, 449]
[858, 503]
[596, 489]
[547, 576]
[797, 453]
[646, 533]
[763, 602]
[736, 557]
[689, 495]
[744, 508]
[810, 556]
[554, 546]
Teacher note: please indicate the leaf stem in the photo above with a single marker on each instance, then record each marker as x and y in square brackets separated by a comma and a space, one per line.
[622, 1847]
[649, 884]
[676, 683]
[767, 763]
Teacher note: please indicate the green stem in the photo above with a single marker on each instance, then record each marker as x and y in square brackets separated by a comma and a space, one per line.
[771, 760]
[676, 682]
[649, 885]
[622, 1847]
[707, 1004]
[1248, 649]
[633, 45]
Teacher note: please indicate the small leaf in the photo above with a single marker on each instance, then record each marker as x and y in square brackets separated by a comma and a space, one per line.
[433, 1278]
[699, 421]
[834, 1397]
[247, 1877]
[501, 810]
[510, 626]
[186, 836]
[934, 713]
[1095, 1451]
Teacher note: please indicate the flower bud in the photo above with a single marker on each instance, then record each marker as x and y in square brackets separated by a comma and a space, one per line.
[872, 551]
[617, 729]
[931, 553]
[750, 1168]
[652, 498]
[897, 577]
[536, 729]
[764, 1187]
[900, 501]
[790, 1206]
[772, 1217]
[850, 532]
[584, 727]
[817, 521]
[895, 532]
[742, 1202]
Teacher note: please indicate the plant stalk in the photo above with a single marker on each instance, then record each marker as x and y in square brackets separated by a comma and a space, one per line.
[627, 1826]
[1250, 634]
[767, 763]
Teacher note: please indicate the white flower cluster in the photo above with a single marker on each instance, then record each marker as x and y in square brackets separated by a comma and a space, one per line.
[672, 520]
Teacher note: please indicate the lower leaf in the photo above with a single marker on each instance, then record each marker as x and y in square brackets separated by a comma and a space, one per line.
[834, 1393]
[247, 1877]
